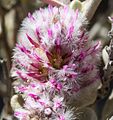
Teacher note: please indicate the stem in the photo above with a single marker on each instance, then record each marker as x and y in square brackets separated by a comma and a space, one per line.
[90, 8]
[53, 2]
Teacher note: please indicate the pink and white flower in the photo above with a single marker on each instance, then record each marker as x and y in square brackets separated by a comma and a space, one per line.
[54, 60]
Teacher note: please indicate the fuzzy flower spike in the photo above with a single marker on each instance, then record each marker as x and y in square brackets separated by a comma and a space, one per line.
[52, 62]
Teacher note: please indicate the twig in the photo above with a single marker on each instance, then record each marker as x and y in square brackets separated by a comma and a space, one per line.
[53, 2]
[90, 8]
[5, 41]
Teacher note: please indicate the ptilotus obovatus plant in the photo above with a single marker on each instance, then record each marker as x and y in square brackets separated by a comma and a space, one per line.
[53, 62]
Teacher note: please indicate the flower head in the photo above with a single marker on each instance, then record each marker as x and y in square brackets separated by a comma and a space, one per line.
[53, 58]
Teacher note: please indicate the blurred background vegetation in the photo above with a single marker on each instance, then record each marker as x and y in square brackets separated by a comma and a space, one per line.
[12, 12]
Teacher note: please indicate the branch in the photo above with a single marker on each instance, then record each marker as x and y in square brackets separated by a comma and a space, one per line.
[53, 2]
[90, 7]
